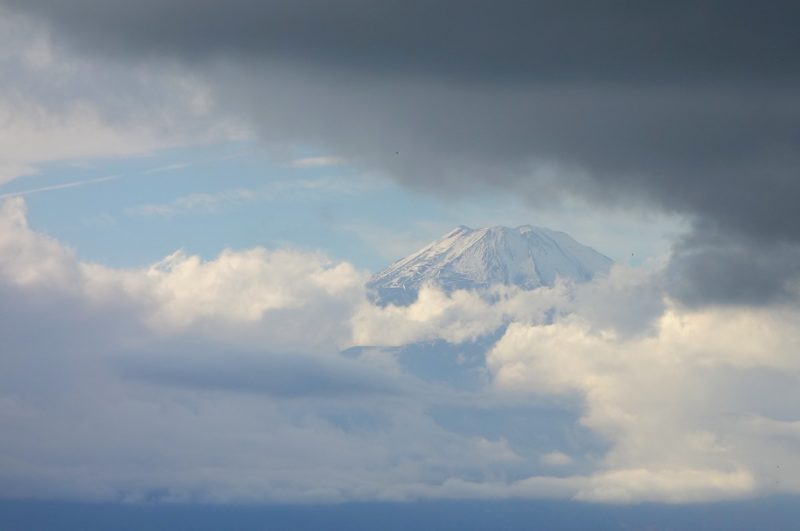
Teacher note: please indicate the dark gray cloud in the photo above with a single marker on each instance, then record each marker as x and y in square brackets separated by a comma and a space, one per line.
[713, 266]
[692, 107]
[511, 39]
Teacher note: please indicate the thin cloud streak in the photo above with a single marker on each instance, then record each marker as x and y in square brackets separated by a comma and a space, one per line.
[168, 167]
[74, 184]
[210, 202]
[317, 162]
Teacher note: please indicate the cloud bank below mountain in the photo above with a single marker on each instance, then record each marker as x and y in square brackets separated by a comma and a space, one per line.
[222, 381]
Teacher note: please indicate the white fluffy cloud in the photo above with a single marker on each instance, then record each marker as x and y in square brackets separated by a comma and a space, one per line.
[199, 380]
[221, 380]
[690, 401]
[292, 300]
[678, 406]
[29, 258]
[456, 317]
[282, 300]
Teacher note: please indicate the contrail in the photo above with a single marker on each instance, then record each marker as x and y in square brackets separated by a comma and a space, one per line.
[73, 184]
[169, 167]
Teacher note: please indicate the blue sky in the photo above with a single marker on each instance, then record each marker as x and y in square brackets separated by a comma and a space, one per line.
[136, 210]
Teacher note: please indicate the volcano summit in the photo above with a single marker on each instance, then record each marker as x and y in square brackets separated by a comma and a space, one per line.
[527, 257]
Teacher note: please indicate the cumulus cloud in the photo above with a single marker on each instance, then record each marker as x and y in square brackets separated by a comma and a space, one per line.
[221, 380]
[32, 259]
[456, 317]
[198, 380]
[627, 301]
[666, 400]
[285, 296]
[676, 391]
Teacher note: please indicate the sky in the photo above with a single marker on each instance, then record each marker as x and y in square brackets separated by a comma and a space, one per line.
[234, 194]
[193, 195]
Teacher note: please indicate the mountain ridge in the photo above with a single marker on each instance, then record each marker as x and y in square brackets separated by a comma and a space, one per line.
[526, 256]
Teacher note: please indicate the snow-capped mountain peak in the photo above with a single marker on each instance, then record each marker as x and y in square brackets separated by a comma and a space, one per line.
[465, 258]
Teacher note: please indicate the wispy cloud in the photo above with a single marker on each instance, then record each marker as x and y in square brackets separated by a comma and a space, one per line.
[317, 162]
[339, 186]
[197, 202]
[73, 184]
[86, 182]
[211, 202]
[168, 167]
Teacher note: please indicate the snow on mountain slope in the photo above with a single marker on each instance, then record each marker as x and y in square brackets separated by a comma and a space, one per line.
[464, 258]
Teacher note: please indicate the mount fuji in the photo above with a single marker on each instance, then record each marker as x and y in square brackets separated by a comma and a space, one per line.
[464, 258]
